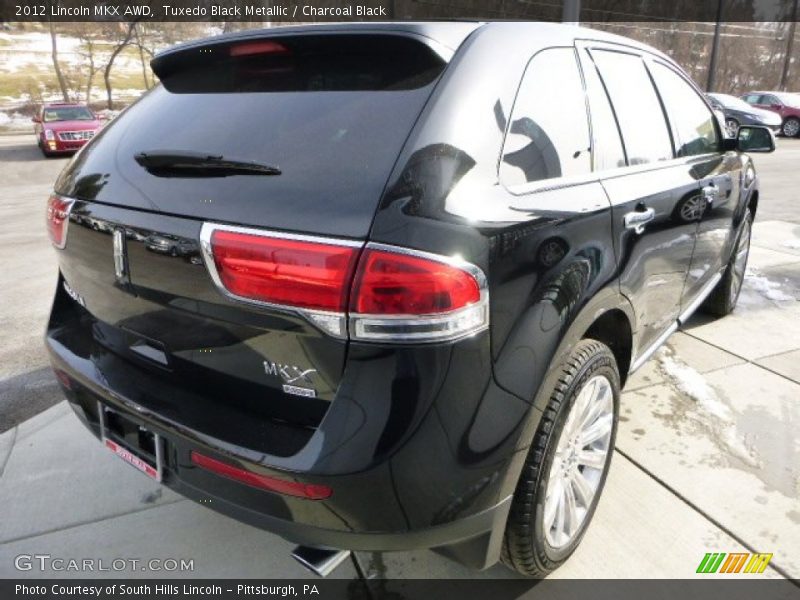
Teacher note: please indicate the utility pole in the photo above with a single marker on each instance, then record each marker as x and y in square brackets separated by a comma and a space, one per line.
[571, 11]
[787, 60]
[712, 63]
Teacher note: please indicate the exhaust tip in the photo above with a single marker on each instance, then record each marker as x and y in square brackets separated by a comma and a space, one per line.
[320, 561]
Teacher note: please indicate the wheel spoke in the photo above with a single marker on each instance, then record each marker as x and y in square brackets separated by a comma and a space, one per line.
[583, 404]
[571, 510]
[560, 517]
[595, 459]
[597, 405]
[551, 503]
[584, 492]
[596, 431]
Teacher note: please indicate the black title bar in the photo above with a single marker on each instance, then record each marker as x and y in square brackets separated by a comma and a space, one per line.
[289, 11]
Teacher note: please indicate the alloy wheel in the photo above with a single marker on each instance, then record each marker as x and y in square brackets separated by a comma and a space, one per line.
[791, 127]
[581, 458]
[732, 125]
[693, 209]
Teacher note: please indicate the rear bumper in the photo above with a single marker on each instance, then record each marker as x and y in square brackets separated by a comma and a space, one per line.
[396, 504]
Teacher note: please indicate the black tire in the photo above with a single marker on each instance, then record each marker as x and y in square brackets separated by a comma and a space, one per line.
[526, 548]
[723, 299]
[791, 127]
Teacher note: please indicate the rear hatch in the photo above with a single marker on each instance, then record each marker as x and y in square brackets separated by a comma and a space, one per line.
[330, 112]
[296, 134]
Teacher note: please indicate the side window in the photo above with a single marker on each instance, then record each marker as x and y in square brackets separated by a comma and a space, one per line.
[770, 100]
[638, 111]
[607, 152]
[692, 121]
[753, 99]
[549, 132]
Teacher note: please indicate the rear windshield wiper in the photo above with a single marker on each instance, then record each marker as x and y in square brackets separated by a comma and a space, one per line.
[178, 163]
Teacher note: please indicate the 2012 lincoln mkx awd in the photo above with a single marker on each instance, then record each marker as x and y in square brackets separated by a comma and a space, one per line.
[378, 286]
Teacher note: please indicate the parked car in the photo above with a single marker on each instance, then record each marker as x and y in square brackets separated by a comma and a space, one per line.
[64, 127]
[171, 244]
[738, 112]
[423, 283]
[785, 104]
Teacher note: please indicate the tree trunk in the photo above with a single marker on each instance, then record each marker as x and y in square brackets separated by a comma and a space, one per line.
[92, 71]
[107, 71]
[141, 58]
[59, 75]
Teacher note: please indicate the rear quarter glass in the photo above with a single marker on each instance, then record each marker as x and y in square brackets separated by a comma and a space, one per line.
[332, 112]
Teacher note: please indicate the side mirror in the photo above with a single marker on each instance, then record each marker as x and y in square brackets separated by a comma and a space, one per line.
[755, 139]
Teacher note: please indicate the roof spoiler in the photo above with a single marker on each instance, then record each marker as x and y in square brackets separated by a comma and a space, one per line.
[190, 54]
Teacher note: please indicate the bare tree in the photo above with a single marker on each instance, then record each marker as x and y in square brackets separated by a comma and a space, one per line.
[59, 75]
[88, 51]
[123, 41]
[143, 49]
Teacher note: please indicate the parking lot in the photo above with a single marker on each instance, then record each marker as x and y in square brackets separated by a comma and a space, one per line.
[708, 451]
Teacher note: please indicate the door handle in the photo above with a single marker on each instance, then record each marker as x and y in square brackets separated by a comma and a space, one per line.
[637, 219]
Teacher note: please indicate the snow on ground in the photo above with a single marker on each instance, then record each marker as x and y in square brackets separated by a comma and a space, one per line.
[759, 290]
[31, 51]
[791, 244]
[709, 408]
[15, 122]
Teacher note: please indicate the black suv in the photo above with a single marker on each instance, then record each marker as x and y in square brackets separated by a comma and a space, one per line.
[417, 263]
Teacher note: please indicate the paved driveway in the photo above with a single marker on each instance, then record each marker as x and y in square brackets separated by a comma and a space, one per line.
[708, 454]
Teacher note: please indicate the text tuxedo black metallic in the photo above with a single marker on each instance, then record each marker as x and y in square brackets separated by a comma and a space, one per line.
[378, 286]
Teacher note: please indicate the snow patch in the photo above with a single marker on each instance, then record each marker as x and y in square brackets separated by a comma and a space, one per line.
[712, 412]
[791, 244]
[15, 121]
[758, 290]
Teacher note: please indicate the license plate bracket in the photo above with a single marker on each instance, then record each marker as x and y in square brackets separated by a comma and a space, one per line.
[132, 442]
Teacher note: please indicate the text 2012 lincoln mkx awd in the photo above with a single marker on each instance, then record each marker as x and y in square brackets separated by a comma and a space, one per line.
[378, 286]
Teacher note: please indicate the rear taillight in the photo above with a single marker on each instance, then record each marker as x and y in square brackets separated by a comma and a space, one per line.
[401, 295]
[373, 292]
[288, 271]
[309, 491]
[57, 219]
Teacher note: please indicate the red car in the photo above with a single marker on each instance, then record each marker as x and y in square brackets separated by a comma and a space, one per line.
[63, 127]
[786, 104]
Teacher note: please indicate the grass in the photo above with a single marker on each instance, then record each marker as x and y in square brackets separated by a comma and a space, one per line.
[19, 84]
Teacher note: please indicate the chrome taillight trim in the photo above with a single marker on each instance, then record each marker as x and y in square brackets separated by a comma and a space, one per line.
[70, 203]
[388, 329]
[332, 323]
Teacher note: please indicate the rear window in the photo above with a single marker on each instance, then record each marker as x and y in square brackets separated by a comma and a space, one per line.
[331, 112]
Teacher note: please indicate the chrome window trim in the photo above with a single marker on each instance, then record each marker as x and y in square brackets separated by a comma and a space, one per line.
[355, 326]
